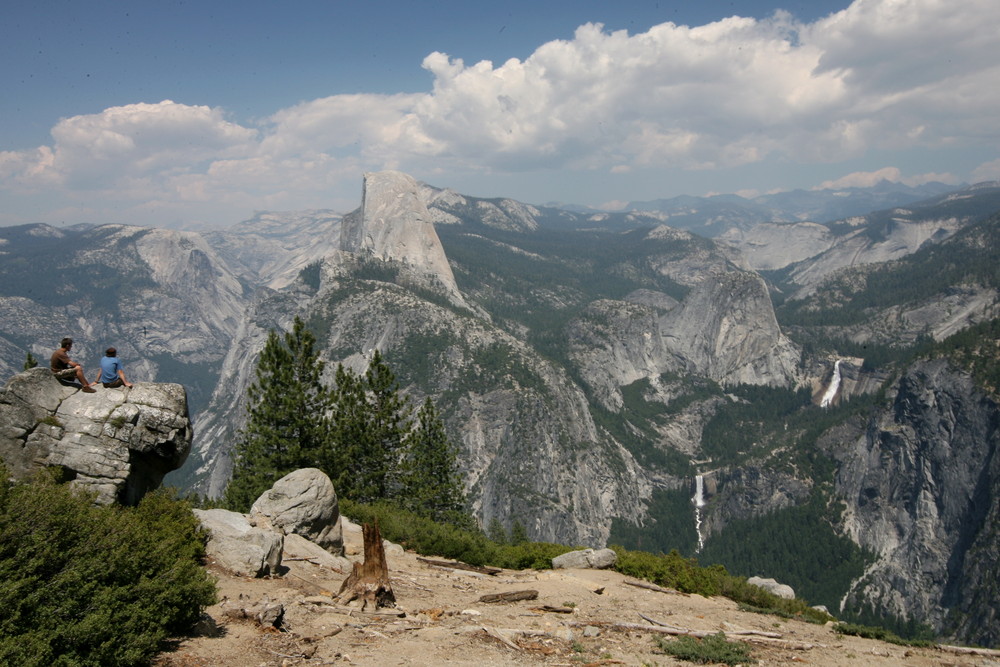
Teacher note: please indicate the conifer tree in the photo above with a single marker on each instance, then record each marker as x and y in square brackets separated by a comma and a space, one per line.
[384, 424]
[30, 361]
[340, 457]
[431, 484]
[287, 426]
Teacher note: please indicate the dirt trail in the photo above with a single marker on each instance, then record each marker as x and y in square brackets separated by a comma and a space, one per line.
[440, 621]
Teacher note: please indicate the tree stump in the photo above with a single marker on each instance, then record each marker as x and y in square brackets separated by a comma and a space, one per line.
[369, 581]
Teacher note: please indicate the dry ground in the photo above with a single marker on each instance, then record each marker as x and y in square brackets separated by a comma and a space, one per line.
[442, 622]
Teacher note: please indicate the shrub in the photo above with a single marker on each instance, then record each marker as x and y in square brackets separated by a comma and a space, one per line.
[881, 634]
[461, 542]
[710, 650]
[87, 585]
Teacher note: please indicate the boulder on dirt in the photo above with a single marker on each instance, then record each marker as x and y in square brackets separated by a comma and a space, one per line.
[771, 586]
[302, 502]
[600, 559]
[299, 548]
[239, 547]
[118, 443]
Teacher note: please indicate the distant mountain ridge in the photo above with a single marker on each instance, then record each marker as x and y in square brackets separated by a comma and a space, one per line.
[713, 215]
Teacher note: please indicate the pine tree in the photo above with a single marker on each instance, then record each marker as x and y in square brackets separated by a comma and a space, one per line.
[383, 427]
[30, 361]
[288, 424]
[341, 455]
[431, 484]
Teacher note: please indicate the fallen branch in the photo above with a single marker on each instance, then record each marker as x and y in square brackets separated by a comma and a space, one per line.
[497, 634]
[653, 620]
[512, 596]
[554, 610]
[654, 587]
[458, 565]
[701, 634]
[966, 650]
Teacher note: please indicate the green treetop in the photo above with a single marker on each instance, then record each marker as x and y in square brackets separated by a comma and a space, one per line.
[287, 424]
[431, 484]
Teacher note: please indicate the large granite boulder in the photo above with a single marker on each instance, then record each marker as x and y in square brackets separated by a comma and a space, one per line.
[118, 443]
[600, 559]
[303, 503]
[236, 545]
[771, 586]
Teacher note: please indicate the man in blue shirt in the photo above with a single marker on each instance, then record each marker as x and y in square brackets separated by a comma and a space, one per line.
[112, 371]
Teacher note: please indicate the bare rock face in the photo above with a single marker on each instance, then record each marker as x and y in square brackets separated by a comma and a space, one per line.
[394, 224]
[118, 443]
[726, 330]
[303, 503]
[921, 485]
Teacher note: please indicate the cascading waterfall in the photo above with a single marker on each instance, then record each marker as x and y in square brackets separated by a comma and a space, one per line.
[699, 502]
[831, 391]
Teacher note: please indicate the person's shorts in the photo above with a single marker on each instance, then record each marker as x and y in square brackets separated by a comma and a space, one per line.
[65, 374]
[117, 382]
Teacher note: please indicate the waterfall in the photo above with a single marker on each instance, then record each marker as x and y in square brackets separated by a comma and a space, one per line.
[831, 391]
[699, 502]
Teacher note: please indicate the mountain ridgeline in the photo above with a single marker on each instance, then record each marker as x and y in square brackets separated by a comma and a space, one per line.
[591, 366]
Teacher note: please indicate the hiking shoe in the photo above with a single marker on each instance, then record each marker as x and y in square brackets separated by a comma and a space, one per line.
[89, 390]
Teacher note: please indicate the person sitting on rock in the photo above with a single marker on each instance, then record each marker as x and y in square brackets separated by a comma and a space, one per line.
[112, 371]
[66, 370]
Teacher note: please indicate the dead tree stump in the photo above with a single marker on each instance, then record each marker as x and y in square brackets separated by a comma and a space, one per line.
[369, 581]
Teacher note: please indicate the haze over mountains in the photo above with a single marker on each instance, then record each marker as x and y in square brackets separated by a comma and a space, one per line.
[592, 365]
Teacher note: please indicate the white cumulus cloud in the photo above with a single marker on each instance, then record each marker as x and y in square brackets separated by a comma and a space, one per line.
[879, 75]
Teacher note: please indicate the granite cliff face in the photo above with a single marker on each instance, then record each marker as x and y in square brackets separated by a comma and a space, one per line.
[118, 443]
[922, 483]
[395, 225]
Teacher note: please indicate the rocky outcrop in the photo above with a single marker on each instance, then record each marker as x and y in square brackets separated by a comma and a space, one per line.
[725, 329]
[775, 245]
[771, 586]
[921, 485]
[303, 503]
[395, 225]
[237, 545]
[600, 559]
[117, 443]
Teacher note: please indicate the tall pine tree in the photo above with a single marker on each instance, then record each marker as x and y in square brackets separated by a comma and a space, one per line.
[384, 424]
[431, 484]
[287, 426]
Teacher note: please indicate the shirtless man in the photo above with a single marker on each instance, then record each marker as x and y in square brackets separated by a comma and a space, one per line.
[65, 368]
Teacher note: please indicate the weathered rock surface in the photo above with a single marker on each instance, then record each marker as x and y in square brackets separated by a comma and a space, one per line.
[394, 224]
[775, 245]
[118, 443]
[599, 559]
[238, 546]
[304, 503]
[771, 586]
[921, 483]
[725, 329]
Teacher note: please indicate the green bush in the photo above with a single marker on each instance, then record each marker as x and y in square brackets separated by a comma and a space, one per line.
[87, 585]
[711, 650]
[881, 634]
[460, 540]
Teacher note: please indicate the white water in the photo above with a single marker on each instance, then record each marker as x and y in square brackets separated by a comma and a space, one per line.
[831, 391]
[699, 502]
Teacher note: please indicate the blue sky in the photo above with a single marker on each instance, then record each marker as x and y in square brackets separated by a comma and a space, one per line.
[196, 114]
